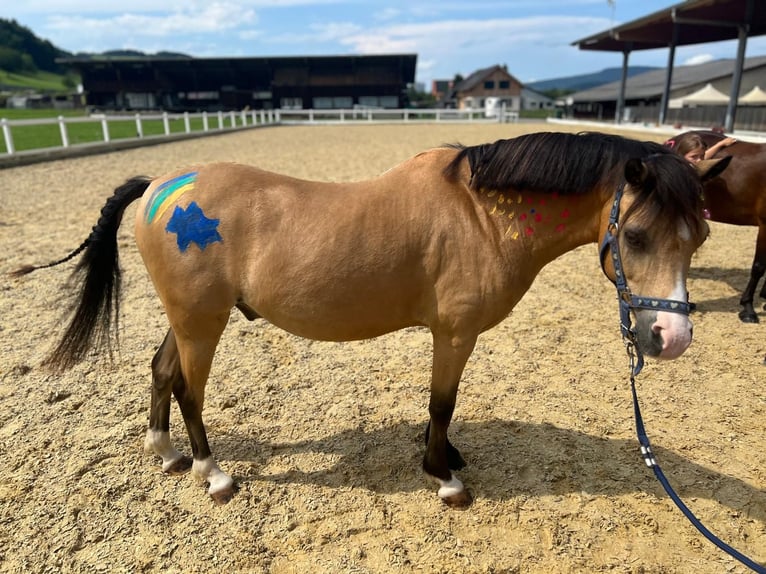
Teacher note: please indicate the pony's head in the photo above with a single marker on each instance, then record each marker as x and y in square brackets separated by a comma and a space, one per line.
[656, 224]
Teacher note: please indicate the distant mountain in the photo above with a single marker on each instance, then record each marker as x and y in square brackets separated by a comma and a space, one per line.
[587, 81]
[130, 54]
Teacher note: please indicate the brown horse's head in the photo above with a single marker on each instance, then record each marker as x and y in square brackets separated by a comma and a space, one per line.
[660, 221]
[660, 226]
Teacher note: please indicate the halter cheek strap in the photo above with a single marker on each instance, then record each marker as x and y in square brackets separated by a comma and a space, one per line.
[625, 298]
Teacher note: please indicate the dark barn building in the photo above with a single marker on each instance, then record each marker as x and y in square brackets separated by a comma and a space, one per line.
[212, 84]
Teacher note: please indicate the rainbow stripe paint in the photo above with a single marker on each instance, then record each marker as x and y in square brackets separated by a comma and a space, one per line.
[167, 193]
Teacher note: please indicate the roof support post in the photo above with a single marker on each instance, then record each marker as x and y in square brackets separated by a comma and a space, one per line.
[618, 113]
[668, 76]
[731, 109]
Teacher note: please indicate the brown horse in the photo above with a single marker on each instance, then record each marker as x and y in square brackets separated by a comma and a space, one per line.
[738, 197]
[450, 240]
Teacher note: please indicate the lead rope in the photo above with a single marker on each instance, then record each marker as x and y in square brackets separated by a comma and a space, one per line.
[651, 462]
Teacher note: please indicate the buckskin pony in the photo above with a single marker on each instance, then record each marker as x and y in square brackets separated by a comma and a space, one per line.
[738, 197]
[449, 240]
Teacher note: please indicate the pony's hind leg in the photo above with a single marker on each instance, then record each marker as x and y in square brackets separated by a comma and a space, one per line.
[166, 375]
[196, 348]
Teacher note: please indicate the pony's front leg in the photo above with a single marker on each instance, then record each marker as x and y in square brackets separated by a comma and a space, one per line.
[747, 314]
[166, 374]
[450, 356]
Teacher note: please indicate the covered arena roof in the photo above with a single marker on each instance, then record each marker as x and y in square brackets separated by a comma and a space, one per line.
[697, 22]
[684, 24]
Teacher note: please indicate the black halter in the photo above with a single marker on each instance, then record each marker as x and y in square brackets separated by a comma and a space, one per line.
[626, 299]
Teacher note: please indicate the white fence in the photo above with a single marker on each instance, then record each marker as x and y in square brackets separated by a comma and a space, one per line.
[393, 115]
[209, 123]
[204, 123]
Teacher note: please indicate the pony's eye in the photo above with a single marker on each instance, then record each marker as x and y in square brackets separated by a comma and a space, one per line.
[636, 240]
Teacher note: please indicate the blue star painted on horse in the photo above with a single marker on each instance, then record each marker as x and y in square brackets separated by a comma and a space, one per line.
[191, 226]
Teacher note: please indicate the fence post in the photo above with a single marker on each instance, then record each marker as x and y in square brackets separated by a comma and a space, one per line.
[233, 119]
[7, 136]
[166, 123]
[139, 126]
[105, 129]
[62, 129]
[205, 126]
[220, 119]
[187, 124]
[263, 116]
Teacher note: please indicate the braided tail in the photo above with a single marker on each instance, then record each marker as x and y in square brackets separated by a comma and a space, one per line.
[98, 278]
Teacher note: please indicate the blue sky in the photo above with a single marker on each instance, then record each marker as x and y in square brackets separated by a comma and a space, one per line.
[532, 37]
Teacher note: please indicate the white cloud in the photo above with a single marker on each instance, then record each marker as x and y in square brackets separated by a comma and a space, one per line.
[498, 36]
[215, 17]
[698, 59]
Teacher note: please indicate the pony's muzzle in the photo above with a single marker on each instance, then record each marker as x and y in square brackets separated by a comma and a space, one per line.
[671, 334]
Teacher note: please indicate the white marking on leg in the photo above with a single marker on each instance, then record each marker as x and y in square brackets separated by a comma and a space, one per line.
[450, 487]
[208, 471]
[158, 442]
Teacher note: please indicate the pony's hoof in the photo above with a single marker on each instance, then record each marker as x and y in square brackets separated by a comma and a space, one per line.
[748, 317]
[224, 496]
[459, 501]
[180, 466]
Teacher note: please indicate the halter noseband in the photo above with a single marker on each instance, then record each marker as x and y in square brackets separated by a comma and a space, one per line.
[625, 298]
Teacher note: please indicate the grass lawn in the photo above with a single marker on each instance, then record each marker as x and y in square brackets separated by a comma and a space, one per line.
[49, 135]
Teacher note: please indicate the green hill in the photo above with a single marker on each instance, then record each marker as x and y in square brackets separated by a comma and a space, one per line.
[29, 63]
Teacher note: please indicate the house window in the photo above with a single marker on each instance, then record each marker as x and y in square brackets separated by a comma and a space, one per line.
[489, 85]
[504, 84]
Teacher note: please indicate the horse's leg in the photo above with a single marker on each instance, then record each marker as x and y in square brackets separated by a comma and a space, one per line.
[166, 375]
[196, 347]
[747, 314]
[450, 356]
[454, 459]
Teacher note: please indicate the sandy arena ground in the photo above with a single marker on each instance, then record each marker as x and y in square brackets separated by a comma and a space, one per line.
[326, 439]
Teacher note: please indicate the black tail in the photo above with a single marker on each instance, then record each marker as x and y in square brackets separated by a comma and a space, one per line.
[99, 281]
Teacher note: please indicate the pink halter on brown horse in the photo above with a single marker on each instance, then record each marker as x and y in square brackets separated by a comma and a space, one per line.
[738, 197]
[449, 240]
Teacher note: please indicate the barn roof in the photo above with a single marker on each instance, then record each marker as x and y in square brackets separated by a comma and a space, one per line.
[695, 21]
[650, 85]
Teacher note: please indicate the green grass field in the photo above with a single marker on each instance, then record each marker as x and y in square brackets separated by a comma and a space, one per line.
[39, 81]
[47, 136]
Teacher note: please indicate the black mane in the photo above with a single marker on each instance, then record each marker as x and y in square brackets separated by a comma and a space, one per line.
[550, 161]
[573, 164]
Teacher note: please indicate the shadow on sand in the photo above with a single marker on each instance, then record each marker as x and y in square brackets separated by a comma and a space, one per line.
[505, 459]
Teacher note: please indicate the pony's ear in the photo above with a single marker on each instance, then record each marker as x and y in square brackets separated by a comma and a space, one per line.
[636, 172]
[710, 168]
